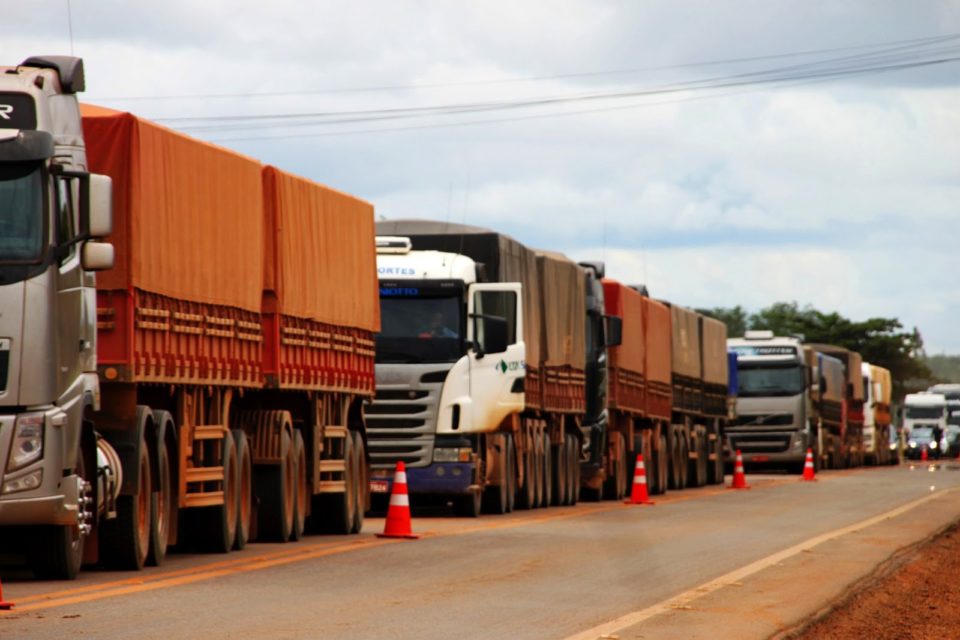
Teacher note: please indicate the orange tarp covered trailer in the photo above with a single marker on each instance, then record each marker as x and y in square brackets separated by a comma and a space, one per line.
[627, 360]
[658, 329]
[321, 297]
[183, 302]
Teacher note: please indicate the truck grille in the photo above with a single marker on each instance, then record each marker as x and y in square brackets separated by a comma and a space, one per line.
[760, 443]
[773, 419]
[401, 421]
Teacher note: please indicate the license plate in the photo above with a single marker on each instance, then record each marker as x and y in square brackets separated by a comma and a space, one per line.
[760, 459]
[379, 486]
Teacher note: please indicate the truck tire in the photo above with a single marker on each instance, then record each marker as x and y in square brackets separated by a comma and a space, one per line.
[274, 487]
[362, 484]
[495, 500]
[547, 472]
[538, 471]
[526, 494]
[560, 473]
[161, 508]
[674, 457]
[215, 528]
[125, 540]
[716, 448]
[511, 466]
[244, 489]
[468, 505]
[684, 455]
[336, 511]
[301, 490]
[614, 487]
[57, 552]
[574, 468]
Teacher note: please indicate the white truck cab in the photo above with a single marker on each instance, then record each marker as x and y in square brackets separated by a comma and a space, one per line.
[450, 365]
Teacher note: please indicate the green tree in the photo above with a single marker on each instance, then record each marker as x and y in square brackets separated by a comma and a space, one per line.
[880, 341]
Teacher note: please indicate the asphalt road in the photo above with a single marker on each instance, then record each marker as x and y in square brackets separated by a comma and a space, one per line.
[595, 570]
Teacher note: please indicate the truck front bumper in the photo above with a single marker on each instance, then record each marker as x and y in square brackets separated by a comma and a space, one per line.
[768, 447]
[47, 510]
[439, 478]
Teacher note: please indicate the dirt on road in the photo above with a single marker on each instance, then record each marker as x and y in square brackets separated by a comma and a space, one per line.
[920, 599]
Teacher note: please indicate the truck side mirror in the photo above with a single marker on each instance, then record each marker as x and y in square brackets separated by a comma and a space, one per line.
[614, 330]
[494, 334]
[100, 206]
[97, 256]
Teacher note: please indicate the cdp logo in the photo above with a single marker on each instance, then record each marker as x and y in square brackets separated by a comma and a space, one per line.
[6, 111]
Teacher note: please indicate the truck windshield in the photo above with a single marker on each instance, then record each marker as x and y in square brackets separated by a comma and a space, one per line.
[767, 380]
[417, 329]
[924, 413]
[21, 212]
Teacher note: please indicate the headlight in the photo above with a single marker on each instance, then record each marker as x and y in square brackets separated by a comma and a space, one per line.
[453, 455]
[913, 444]
[933, 445]
[27, 445]
[893, 445]
[30, 481]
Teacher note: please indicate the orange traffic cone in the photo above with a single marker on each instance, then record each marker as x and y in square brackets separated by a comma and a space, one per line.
[923, 454]
[3, 604]
[398, 514]
[739, 477]
[809, 473]
[639, 495]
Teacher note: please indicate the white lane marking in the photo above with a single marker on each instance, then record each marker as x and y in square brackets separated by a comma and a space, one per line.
[684, 599]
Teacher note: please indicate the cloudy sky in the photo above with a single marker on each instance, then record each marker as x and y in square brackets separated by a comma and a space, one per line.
[722, 152]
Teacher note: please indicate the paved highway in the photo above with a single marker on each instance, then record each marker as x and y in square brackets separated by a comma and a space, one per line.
[762, 559]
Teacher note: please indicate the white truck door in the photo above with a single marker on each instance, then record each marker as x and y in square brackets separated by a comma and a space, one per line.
[497, 352]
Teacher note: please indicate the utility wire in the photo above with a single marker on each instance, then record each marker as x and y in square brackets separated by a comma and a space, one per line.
[540, 116]
[849, 71]
[540, 78]
[894, 57]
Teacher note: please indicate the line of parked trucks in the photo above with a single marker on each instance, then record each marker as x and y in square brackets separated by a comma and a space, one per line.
[256, 354]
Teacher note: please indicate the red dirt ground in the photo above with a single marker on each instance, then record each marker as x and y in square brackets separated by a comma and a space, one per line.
[919, 600]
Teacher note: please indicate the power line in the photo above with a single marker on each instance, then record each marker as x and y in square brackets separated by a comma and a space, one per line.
[540, 78]
[746, 89]
[896, 56]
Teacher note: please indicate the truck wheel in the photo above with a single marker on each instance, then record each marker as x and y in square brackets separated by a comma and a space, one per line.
[336, 510]
[495, 499]
[362, 484]
[684, 455]
[526, 496]
[468, 505]
[547, 472]
[614, 486]
[703, 459]
[716, 466]
[301, 491]
[215, 528]
[57, 553]
[125, 540]
[161, 508]
[511, 472]
[573, 468]
[537, 471]
[560, 473]
[274, 487]
[244, 489]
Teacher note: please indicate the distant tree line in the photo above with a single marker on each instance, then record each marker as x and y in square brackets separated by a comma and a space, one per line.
[881, 341]
[945, 368]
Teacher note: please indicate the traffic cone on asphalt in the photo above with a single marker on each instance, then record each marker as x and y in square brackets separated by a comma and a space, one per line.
[809, 474]
[739, 477]
[398, 523]
[923, 454]
[4, 605]
[639, 495]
